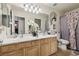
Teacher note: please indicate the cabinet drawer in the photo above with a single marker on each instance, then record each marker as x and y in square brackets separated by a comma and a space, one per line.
[8, 48]
[35, 43]
[24, 44]
[44, 41]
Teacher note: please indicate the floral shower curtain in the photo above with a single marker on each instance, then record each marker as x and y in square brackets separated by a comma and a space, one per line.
[72, 23]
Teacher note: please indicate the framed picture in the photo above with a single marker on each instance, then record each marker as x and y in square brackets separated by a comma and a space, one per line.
[38, 21]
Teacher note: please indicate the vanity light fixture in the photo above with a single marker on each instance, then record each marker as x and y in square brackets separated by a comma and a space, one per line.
[32, 8]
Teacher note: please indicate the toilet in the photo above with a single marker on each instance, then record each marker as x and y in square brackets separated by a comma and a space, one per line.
[63, 44]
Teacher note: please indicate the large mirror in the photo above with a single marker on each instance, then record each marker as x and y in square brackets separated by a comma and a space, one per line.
[15, 24]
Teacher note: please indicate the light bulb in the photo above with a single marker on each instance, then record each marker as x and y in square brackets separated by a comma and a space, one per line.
[33, 11]
[26, 5]
[37, 12]
[35, 8]
[25, 9]
[30, 10]
[39, 9]
[31, 7]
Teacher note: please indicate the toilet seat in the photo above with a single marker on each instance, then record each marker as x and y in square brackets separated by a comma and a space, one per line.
[64, 41]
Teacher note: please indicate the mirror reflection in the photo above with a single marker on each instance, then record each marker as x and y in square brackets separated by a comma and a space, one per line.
[17, 21]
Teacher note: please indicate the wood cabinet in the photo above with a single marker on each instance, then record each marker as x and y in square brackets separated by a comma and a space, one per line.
[44, 50]
[53, 45]
[24, 45]
[43, 47]
[8, 48]
[14, 53]
[33, 51]
[25, 51]
[36, 43]
[11, 50]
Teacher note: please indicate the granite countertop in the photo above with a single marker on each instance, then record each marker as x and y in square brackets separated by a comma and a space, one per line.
[7, 41]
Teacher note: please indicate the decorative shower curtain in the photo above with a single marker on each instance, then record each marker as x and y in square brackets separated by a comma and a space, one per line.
[72, 19]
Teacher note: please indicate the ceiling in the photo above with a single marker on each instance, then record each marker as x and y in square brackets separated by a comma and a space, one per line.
[47, 8]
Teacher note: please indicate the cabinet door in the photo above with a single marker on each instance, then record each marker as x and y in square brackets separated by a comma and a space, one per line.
[53, 46]
[33, 51]
[20, 52]
[14, 53]
[45, 50]
[8, 48]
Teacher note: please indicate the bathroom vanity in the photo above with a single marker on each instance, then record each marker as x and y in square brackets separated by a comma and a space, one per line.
[16, 23]
[29, 46]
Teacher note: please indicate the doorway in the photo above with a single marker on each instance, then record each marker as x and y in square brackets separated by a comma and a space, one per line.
[20, 25]
[16, 27]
